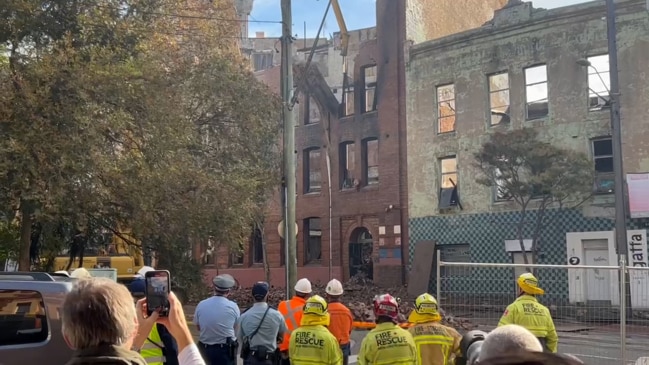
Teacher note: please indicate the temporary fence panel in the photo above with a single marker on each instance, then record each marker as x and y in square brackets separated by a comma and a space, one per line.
[588, 323]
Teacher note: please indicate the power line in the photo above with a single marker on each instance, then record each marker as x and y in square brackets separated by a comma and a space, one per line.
[200, 17]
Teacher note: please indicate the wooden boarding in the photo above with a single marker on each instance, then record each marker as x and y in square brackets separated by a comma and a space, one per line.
[422, 265]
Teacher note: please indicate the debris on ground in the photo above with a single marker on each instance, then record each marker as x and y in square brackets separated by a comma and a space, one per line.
[358, 297]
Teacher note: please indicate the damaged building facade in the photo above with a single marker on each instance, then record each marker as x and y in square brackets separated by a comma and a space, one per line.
[351, 148]
[526, 68]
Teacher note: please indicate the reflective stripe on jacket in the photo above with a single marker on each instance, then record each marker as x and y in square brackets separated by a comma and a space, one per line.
[314, 345]
[292, 311]
[388, 344]
[527, 312]
[436, 344]
[151, 350]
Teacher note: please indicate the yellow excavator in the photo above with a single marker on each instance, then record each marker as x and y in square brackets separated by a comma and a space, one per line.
[124, 253]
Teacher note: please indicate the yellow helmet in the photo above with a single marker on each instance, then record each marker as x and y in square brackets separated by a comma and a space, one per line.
[316, 305]
[529, 284]
[426, 304]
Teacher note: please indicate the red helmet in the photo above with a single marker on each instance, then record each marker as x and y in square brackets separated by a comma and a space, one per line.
[386, 305]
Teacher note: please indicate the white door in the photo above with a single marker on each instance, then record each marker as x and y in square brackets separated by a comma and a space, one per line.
[598, 282]
[518, 258]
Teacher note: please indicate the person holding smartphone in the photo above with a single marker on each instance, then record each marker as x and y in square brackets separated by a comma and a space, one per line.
[154, 341]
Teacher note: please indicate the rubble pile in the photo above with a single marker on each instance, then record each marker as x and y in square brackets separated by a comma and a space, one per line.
[358, 297]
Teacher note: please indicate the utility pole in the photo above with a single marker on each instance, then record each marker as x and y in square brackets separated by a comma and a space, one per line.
[289, 146]
[620, 199]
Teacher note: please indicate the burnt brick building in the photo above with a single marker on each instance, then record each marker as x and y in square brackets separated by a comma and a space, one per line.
[351, 152]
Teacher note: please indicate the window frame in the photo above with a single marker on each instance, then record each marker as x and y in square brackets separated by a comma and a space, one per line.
[346, 175]
[547, 91]
[348, 108]
[254, 260]
[309, 102]
[599, 157]
[307, 240]
[443, 174]
[238, 258]
[36, 301]
[593, 71]
[505, 117]
[307, 165]
[439, 102]
[369, 86]
[365, 149]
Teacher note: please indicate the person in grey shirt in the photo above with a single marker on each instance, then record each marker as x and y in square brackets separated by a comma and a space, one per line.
[261, 326]
[216, 320]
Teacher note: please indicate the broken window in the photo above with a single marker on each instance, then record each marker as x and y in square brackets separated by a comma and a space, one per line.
[369, 96]
[448, 185]
[536, 91]
[313, 115]
[349, 101]
[262, 60]
[599, 82]
[603, 158]
[499, 98]
[347, 164]
[446, 108]
[371, 161]
[312, 240]
[257, 243]
[312, 176]
[501, 192]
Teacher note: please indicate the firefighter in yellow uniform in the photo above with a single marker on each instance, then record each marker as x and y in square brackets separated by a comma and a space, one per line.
[527, 312]
[436, 344]
[387, 343]
[312, 343]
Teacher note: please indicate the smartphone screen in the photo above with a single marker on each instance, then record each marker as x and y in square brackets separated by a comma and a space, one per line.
[157, 292]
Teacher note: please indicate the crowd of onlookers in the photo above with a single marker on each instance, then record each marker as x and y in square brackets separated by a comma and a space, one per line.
[102, 324]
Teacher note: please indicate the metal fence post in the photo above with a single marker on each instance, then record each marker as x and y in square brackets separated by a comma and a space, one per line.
[438, 277]
[623, 305]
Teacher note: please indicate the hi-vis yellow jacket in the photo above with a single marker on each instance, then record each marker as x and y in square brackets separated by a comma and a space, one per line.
[436, 344]
[527, 312]
[151, 350]
[314, 344]
[386, 344]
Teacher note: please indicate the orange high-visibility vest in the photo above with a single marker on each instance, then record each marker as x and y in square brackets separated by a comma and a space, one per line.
[292, 311]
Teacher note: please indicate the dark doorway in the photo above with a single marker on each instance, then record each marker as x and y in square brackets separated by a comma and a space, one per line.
[360, 253]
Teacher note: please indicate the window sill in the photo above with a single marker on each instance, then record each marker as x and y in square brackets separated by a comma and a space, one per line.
[236, 266]
[370, 187]
[537, 119]
[313, 263]
[347, 190]
[313, 193]
[370, 112]
[449, 133]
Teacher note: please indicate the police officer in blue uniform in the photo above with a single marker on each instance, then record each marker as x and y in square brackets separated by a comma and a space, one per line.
[216, 320]
[260, 329]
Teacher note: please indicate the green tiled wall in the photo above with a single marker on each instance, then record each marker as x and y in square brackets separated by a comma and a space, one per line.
[486, 234]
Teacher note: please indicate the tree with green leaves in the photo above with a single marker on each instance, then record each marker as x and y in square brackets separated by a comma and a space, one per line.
[139, 114]
[535, 175]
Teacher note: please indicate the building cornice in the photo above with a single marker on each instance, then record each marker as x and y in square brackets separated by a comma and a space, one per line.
[542, 19]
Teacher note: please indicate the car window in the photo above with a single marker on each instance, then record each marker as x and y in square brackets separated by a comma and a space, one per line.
[22, 317]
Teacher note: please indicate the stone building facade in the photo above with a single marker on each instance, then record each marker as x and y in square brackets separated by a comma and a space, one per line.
[521, 70]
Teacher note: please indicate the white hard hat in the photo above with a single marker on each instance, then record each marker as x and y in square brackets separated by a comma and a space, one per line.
[334, 287]
[62, 272]
[80, 273]
[145, 269]
[303, 286]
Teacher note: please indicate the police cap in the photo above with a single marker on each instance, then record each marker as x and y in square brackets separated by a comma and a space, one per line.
[223, 282]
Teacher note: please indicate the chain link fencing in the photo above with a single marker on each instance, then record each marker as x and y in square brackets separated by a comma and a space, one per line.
[586, 302]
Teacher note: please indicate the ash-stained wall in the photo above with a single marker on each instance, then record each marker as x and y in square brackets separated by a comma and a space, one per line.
[426, 19]
[518, 38]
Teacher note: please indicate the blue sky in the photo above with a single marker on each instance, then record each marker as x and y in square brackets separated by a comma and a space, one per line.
[358, 14]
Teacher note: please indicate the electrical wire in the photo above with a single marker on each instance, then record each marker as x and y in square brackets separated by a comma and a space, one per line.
[310, 59]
